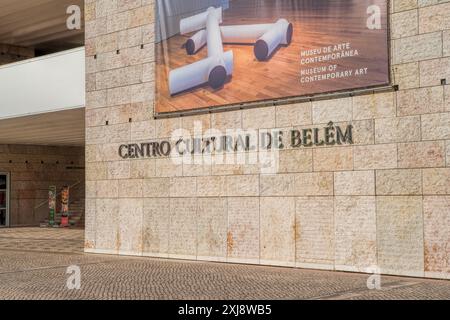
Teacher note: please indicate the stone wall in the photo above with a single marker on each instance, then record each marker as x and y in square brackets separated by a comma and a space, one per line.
[383, 202]
[32, 170]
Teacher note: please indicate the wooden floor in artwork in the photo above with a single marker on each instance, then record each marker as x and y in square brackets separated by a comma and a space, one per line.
[316, 23]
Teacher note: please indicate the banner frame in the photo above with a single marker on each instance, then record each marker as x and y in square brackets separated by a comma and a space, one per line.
[387, 87]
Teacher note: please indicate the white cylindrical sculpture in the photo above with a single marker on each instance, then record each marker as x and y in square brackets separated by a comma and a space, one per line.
[198, 21]
[244, 33]
[280, 33]
[218, 73]
[198, 73]
[196, 42]
[213, 36]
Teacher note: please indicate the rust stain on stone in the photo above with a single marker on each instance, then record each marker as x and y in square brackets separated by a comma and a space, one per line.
[89, 244]
[431, 261]
[297, 229]
[118, 240]
[230, 242]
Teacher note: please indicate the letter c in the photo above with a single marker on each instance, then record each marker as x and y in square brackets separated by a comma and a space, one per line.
[121, 153]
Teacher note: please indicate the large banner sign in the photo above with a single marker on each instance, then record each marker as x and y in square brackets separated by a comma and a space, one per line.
[212, 53]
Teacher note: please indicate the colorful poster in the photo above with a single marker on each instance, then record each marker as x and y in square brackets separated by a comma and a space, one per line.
[52, 204]
[65, 200]
[214, 53]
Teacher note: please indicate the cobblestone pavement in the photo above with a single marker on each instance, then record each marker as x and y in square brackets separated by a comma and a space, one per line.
[32, 272]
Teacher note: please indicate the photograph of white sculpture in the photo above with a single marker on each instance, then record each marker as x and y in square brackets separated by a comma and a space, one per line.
[212, 53]
[215, 69]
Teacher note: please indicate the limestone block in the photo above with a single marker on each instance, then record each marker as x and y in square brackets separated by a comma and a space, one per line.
[436, 126]
[448, 153]
[119, 77]
[243, 230]
[355, 229]
[90, 226]
[91, 189]
[354, 183]
[437, 236]
[156, 214]
[181, 187]
[126, 5]
[400, 235]
[196, 125]
[313, 184]
[382, 156]
[432, 71]
[126, 38]
[141, 16]
[183, 228]
[96, 135]
[421, 154]
[95, 28]
[402, 5]
[296, 160]
[242, 185]
[447, 98]
[294, 115]
[166, 128]
[117, 22]
[191, 168]
[119, 170]
[211, 186]
[105, 8]
[406, 76]
[335, 110]
[434, 18]
[436, 181]
[143, 130]
[399, 129]
[315, 232]
[277, 185]
[107, 189]
[106, 42]
[142, 169]
[156, 187]
[373, 106]
[333, 159]
[168, 167]
[417, 48]
[107, 216]
[446, 39]
[130, 226]
[118, 133]
[277, 231]
[404, 24]
[212, 229]
[260, 118]
[131, 188]
[399, 182]
[89, 11]
[226, 120]
[96, 171]
[420, 101]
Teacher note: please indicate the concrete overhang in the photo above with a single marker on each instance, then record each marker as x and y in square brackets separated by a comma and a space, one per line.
[61, 128]
[40, 24]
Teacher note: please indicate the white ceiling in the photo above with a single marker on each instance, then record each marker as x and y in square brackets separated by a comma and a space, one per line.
[62, 128]
[38, 23]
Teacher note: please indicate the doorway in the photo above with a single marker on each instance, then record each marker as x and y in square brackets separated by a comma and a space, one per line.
[4, 199]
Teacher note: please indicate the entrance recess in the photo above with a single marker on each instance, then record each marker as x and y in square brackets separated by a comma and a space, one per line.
[4, 199]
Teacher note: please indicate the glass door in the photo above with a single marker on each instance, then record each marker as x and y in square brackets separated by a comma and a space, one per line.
[4, 199]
